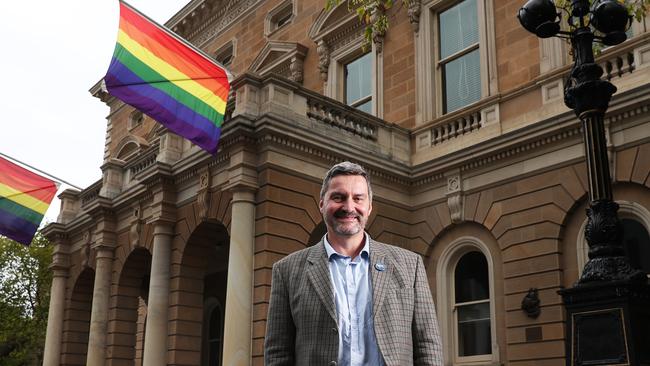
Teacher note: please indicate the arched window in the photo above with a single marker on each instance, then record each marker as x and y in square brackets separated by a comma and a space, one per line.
[465, 302]
[472, 306]
[212, 342]
[635, 220]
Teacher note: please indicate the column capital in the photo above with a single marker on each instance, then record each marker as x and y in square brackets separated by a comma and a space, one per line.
[160, 182]
[162, 227]
[242, 173]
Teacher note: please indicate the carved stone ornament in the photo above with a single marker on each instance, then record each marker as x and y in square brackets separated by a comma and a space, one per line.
[377, 36]
[414, 11]
[296, 69]
[607, 260]
[530, 303]
[203, 195]
[136, 227]
[85, 249]
[455, 199]
[323, 59]
[281, 58]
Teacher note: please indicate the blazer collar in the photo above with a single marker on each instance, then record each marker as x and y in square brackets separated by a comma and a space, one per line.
[381, 270]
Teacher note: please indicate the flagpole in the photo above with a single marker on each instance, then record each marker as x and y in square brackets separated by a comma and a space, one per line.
[40, 171]
[181, 39]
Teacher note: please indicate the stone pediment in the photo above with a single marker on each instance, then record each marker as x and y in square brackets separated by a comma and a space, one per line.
[333, 22]
[282, 58]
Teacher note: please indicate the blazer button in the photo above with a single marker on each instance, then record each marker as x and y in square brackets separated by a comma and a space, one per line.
[333, 363]
[335, 330]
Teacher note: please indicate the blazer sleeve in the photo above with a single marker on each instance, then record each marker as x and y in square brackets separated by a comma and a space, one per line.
[427, 346]
[279, 344]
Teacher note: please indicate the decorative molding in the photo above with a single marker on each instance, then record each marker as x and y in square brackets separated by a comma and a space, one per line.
[219, 16]
[323, 59]
[135, 228]
[455, 197]
[530, 303]
[203, 194]
[283, 58]
[87, 242]
[414, 11]
[530, 145]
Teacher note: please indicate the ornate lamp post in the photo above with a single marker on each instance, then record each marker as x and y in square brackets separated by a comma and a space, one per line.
[608, 309]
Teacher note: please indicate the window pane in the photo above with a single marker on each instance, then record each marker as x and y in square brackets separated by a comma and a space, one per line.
[458, 28]
[462, 79]
[358, 82]
[366, 107]
[474, 336]
[636, 243]
[471, 278]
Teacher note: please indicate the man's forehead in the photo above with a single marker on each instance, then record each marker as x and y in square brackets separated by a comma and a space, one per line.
[342, 183]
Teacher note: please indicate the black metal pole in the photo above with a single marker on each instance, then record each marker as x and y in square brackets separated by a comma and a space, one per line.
[608, 309]
[589, 97]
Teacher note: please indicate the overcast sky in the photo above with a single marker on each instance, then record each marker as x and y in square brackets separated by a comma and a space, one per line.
[53, 52]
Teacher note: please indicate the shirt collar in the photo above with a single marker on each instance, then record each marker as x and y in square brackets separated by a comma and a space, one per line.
[365, 252]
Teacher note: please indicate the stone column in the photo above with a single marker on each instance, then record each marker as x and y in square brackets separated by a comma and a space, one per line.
[239, 293]
[52, 353]
[99, 314]
[156, 332]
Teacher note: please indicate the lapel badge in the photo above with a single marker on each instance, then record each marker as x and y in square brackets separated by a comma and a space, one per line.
[380, 267]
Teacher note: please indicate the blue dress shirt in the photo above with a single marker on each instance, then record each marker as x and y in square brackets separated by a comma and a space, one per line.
[353, 297]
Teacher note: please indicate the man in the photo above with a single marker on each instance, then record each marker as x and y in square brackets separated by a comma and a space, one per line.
[350, 300]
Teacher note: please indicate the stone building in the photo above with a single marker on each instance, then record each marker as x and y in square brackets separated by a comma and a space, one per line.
[457, 113]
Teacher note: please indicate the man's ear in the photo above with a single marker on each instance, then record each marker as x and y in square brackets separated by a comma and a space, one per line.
[320, 205]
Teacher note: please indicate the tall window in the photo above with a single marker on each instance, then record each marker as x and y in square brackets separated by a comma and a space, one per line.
[459, 58]
[358, 83]
[472, 306]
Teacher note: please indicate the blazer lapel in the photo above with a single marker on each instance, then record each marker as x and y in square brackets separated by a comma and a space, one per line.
[319, 275]
[381, 270]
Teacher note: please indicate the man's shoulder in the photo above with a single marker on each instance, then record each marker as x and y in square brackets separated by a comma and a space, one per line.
[296, 258]
[394, 250]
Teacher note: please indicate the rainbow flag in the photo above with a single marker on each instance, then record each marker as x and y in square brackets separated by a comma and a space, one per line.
[24, 199]
[168, 79]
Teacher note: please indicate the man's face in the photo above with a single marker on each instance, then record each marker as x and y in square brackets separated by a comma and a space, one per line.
[346, 205]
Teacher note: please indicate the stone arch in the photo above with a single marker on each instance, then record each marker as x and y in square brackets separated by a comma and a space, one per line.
[448, 247]
[129, 146]
[634, 202]
[76, 321]
[199, 272]
[127, 310]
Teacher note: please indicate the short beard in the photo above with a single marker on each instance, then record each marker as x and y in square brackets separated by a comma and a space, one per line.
[338, 227]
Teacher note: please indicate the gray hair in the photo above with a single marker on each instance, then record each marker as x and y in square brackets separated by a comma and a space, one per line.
[345, 168]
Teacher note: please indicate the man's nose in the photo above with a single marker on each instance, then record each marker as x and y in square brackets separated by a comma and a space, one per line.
[348, 204]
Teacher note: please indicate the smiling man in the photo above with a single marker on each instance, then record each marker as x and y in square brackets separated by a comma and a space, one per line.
[350, 300]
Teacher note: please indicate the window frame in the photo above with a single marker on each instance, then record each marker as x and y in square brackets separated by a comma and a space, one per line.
[339, 35]
[226, 50]
[336, 76]
[365, 99]
[448, 315]
[285, 11]
[430, 87]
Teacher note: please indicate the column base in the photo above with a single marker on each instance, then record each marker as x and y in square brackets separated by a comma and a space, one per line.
[608, 323]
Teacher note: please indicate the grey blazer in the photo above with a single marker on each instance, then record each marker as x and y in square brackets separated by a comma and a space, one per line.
[301, 326]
